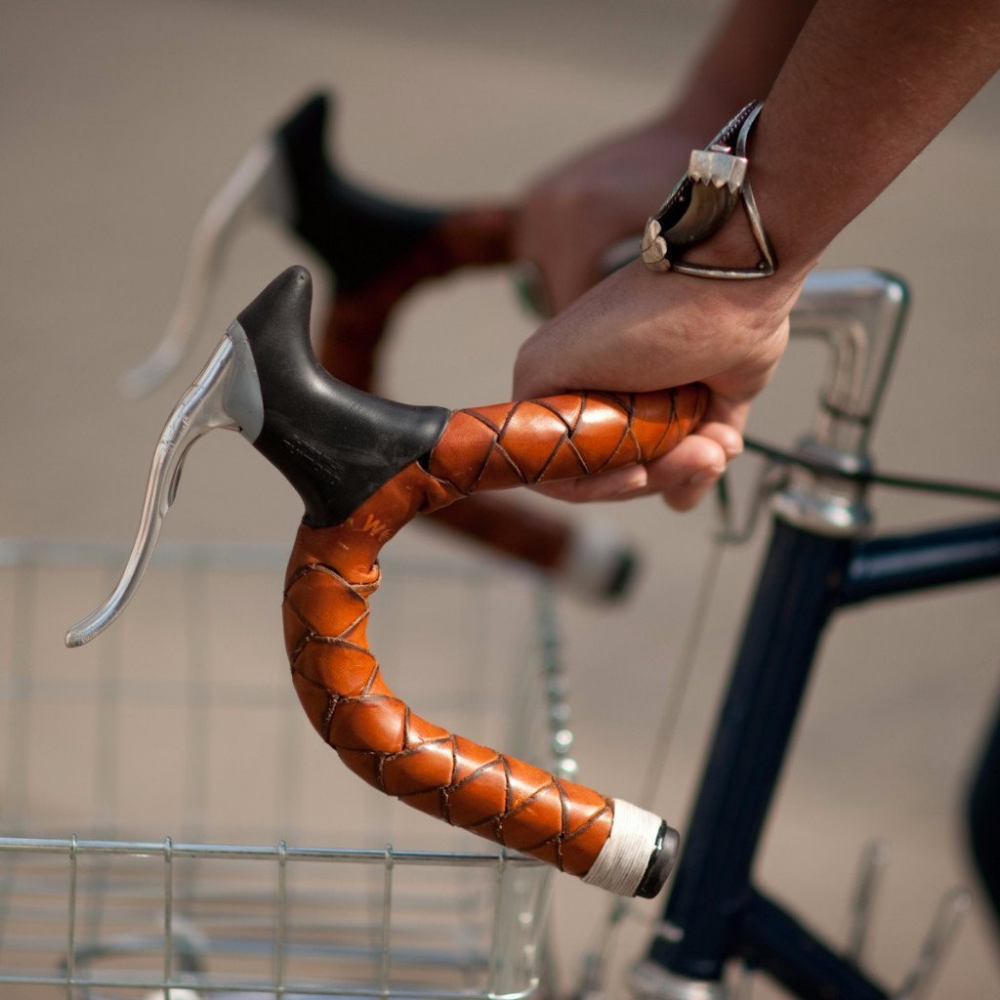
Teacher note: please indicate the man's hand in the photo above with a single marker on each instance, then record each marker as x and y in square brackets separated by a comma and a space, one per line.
[642, 331]
[637, 330]
[573, 215]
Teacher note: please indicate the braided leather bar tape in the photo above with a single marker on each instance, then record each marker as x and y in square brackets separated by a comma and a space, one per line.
[333, 572]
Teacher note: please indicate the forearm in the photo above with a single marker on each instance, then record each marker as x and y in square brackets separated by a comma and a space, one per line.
[864, 88]
[739, 64]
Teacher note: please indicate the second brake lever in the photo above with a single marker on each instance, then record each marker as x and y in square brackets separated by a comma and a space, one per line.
[374, 248]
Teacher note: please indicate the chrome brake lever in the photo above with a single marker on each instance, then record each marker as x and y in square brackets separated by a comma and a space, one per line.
[257, 187]
[201, 409]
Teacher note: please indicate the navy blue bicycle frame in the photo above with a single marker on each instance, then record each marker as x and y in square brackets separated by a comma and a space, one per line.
[714, 912]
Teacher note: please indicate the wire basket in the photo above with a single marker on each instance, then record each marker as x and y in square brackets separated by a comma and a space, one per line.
[173, 827]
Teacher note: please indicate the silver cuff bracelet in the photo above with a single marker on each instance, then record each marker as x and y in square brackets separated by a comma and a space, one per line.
[716, 180]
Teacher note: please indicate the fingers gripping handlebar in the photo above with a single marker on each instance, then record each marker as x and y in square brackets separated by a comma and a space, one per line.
[364, 467]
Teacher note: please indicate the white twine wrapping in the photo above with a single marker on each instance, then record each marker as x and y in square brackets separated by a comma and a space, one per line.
[623, 860]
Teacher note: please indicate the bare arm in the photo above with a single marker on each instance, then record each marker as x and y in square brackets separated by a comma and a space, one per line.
[862, 90]
[577, 210]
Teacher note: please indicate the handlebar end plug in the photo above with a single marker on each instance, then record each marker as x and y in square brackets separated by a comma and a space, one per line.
[661, 862]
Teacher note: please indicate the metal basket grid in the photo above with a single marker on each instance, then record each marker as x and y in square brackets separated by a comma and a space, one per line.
[156, 732]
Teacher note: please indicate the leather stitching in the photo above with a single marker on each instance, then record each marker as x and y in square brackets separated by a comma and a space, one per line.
[467, 785]
[453, 790]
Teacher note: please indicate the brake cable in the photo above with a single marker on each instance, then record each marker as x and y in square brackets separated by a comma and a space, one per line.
[970, 491]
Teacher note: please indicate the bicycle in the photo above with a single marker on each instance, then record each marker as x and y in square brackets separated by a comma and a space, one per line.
[824, 500]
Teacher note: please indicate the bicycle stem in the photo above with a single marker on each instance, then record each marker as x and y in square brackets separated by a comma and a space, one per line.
[859, 315]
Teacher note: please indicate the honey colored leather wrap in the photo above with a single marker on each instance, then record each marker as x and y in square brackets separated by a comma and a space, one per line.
[334, 571]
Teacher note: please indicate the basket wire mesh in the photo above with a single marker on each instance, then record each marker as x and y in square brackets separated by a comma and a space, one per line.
[158, 791]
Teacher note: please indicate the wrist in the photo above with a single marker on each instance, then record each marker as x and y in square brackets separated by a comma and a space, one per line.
[734, 246]
[713, 225]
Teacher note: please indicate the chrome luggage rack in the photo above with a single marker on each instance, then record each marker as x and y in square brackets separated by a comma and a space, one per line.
[194, 732]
